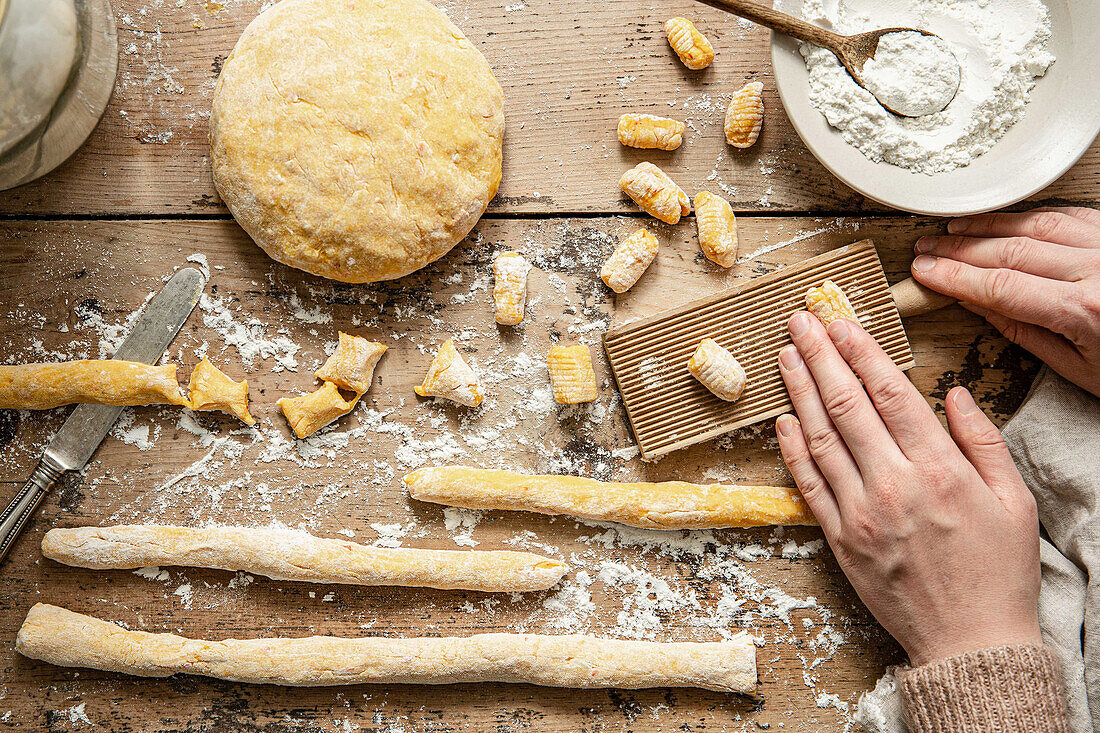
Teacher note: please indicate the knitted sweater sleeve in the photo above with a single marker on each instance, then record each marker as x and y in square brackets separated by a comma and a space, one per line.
[1009, 689]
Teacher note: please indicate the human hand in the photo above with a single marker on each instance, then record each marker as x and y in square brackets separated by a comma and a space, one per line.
[1034, 276]
[937, 533]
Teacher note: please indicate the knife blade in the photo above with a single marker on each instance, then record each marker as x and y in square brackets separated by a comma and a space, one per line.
[72, 446]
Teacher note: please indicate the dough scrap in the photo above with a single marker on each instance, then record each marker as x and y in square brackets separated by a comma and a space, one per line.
[665, 505]
[450, 377]
[210, 389]
[69, 639]
[92, 381]
[309, 413]
[285, 554]
[356, 140]
[351, 366]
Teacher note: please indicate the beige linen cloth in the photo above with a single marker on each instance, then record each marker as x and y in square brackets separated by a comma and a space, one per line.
[1055, 441]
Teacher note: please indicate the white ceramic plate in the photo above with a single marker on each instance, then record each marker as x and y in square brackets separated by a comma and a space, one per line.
[1062, 120]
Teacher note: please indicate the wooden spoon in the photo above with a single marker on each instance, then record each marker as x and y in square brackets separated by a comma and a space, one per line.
[852, 51]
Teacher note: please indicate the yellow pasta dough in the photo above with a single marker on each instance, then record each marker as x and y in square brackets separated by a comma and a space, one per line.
[94, 381]
[450, 377]
[629, 261]
[717, 228]
[351, 366]
[571, 374]
[652, 189]
[510, 287]
[309, 413]
[650, 132]
[829, 303]
[210, 389]
[690, 45]
[664, 505]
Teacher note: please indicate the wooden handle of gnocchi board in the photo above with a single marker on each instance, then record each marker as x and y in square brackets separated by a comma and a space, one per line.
[913, 299]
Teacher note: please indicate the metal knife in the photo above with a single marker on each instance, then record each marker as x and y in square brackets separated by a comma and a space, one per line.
[86, 427]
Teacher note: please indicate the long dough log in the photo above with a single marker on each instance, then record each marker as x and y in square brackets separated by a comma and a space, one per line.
[285, 554]
[666, 505]
[68, 639]
[95, 381]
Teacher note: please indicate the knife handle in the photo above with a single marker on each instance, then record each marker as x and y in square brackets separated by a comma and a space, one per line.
[45, 476]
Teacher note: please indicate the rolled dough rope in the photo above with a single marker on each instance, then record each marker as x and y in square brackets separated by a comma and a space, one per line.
[285, 554]
[68, 639]
[666, 505]
[96, 381]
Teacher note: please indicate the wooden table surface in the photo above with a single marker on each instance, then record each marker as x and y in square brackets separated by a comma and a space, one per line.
[85, 246]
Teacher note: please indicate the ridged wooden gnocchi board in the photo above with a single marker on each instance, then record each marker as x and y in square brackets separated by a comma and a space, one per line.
[668, 409]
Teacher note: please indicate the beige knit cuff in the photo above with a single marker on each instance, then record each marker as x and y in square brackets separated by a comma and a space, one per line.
[1009, 689]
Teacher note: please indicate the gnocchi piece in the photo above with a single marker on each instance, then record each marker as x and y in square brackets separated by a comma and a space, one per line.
[718, 370]
[690, 45]
[351, 366]
[510, 287]
[650, 132]
[717, 228]
[210, 389]
[829, 303]
[309, 413]
[629, 261]
[745, 115]
[571, 374]
[655, 192]
[450, 377]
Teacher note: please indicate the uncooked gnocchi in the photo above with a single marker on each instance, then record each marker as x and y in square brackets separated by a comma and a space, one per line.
[652, 189]
[690, 45]
[745, 115]
[718, 370]
[510, 287]
[571, 374]
[650, 132]
[829, 303]
[210, 389]
[717, 228]
[451, 378]
[629, 261]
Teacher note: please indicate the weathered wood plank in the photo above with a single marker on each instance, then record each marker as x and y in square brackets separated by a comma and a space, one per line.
[65, 284]
[568, 71]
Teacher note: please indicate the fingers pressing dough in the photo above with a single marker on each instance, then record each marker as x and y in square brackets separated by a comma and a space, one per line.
[666, 505]
[68, 639]
[94, 381]
[285, 554]
[210, 389]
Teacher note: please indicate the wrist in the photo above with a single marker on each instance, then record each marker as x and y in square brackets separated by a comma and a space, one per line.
[945, 646]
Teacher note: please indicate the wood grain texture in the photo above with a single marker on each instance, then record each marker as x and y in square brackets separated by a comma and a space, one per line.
[65, 285]
[568, 70]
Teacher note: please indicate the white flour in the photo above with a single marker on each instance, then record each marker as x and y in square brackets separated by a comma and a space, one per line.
[1001, 46]
[912, 74]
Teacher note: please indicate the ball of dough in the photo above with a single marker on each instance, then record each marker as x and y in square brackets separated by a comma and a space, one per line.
[356, 139]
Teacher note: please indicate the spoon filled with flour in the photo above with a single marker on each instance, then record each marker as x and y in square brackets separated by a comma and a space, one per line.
[1000, 49]
[911, 72]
